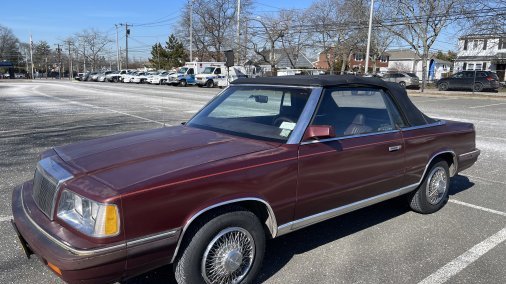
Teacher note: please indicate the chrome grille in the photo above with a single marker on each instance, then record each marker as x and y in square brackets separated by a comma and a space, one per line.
[46, 182]
[44, 191]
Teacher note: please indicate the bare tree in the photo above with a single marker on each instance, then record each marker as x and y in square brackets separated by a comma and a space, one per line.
[93, 45]
[295, 38]
[8, 45]
[213, 26]
[419, 23]
[265, 36]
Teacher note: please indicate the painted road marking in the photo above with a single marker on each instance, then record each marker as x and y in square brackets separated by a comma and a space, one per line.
[488, 105]
[5, 218]
[458, 264]
[477, 207]
[487, 179]
[98, 107]
[435, 100]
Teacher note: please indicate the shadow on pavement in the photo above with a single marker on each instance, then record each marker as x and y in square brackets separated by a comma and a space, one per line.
[280, 251]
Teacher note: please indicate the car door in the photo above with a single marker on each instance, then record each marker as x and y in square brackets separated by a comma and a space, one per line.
[363, 162]
[457, 81]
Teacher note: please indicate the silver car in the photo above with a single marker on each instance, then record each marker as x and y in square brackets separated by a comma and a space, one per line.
[404, 79]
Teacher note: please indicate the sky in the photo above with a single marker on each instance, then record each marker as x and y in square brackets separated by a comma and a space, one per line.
[55, 20]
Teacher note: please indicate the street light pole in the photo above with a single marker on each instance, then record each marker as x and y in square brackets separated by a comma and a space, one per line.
[238, 30]
[117, 47]
[369, 39]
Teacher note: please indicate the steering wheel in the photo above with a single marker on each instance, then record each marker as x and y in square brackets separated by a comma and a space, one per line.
[280, 119]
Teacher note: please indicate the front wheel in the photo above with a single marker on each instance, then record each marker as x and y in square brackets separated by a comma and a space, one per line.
[478, 87]
[432, 194]
[403, 84]
[183, 83]
[226, 249]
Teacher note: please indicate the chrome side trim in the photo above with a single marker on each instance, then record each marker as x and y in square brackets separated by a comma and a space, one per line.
[310, 220]
[471, 154]
[65, 245]
[139, 241]
[270, 222]
[453, 169]
[349, 137]
[305, 117]
[437, 123]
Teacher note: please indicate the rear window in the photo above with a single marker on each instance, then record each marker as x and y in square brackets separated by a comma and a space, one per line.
[412, 75]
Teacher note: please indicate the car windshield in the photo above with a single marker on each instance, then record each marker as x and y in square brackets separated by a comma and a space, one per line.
[266, 113]
[208, 70]
[182, 70]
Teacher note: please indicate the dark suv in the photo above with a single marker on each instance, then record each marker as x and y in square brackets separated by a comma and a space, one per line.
[470, 80]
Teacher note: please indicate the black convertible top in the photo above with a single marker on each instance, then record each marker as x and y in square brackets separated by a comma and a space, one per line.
[412, 114]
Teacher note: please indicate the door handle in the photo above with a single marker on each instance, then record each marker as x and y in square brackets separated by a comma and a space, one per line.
[394, 148]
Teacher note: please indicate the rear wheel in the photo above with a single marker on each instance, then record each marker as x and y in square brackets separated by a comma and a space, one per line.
[226, 248]
[443, 86]
[432, 194]
[478, 87]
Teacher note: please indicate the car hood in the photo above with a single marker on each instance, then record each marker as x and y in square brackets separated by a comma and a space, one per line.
[123, 160]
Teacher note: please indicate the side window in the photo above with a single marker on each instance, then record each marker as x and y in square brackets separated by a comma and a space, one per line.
[353, 111]
[217, 71]
[190, 71]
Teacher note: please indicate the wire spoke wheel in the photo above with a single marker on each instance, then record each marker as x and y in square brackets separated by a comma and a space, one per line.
[437, 185]
[228, 257]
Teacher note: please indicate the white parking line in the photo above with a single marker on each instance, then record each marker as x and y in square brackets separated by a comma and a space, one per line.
[477, 207]
[488, 105]
[458, 264]
[435, 100]
[5, 218]
[486, 179]
[99, 107]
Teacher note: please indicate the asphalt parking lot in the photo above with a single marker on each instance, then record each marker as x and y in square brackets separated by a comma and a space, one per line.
[465, 242]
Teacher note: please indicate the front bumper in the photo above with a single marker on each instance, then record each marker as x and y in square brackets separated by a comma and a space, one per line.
[106, 263]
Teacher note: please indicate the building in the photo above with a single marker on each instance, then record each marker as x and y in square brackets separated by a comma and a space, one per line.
[406, 60]
[482, 52]
[356, 61]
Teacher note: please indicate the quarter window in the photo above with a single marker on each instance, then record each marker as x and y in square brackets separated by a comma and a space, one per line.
[354, 111]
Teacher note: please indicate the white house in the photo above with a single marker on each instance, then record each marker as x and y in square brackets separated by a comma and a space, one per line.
[482, 52]
[406, 60]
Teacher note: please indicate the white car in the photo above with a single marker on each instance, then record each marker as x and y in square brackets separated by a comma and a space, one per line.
[127, 77]
[160, 78]
[140, 77]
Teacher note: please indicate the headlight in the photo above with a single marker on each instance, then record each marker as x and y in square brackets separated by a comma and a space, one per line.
[87, 216]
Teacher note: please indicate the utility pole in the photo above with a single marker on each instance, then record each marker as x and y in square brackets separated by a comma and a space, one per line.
[127, 33]
[366, 71]
[158, 55]
[58, 51]
[191, 31]
[31, 53]
[71, 69]
[117, 48]
[238, 31]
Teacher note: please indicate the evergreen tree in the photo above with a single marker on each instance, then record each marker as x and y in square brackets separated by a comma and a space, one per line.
[176, 52]
[159, 58]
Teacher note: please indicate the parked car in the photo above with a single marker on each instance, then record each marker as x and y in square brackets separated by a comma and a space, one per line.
[160, 78]
[128, 76]
[470, 80]
[264, 158]
[405, 80]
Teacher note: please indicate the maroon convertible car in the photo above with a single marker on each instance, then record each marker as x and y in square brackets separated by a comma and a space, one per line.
[264, 158]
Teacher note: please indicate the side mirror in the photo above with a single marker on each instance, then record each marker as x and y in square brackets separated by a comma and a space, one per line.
[319, 132]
